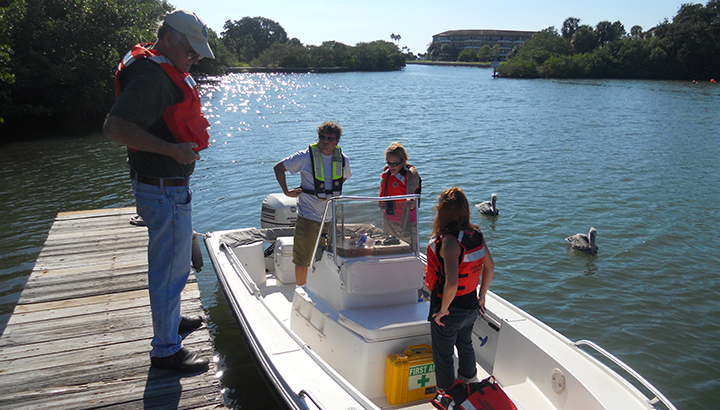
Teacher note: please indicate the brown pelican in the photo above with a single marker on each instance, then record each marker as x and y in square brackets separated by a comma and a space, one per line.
[488, 207]
[585, 243]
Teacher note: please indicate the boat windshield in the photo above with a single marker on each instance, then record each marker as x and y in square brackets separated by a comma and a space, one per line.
[372, 226]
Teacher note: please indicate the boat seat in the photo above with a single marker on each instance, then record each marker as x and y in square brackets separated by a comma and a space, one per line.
[375, 324]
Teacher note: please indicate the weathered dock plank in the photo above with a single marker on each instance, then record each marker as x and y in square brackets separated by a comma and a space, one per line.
[79, 337]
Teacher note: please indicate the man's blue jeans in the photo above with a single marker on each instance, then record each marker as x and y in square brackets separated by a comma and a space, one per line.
[167, 212]
[457, 332]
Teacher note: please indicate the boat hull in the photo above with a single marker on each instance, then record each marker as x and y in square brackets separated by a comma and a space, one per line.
[333, 352]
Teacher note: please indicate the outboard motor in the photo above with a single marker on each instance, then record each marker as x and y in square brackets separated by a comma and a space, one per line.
[278, 210]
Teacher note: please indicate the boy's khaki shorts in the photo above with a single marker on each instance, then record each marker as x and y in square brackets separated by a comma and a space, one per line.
[304, 240]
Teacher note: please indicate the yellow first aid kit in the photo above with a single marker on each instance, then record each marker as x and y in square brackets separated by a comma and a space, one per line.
[410, 376]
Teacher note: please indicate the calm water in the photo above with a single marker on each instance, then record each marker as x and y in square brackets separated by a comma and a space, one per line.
[635, 159]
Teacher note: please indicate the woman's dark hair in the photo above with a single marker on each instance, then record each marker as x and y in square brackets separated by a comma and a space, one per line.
[452, 212]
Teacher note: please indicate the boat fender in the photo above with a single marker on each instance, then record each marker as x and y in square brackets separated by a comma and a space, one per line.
[485, 394]
[197, 258]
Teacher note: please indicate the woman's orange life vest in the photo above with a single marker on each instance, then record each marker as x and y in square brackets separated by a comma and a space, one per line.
[392, 186]
[471, 262]
[185, 119]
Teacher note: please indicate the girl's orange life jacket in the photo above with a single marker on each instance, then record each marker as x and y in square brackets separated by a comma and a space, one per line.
[390, 185]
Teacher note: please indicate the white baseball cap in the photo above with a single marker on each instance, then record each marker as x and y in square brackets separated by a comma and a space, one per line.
[189, 23]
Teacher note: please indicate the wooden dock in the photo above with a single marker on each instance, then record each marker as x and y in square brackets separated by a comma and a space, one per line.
[79, 337]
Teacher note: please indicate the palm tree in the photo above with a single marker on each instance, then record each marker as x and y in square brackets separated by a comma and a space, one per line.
[570, 26]
[395, 37]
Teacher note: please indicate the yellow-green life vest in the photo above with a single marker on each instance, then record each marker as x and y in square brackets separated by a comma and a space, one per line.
[338, 165]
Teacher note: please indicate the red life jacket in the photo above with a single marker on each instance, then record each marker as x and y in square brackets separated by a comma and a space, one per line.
[471, 262]
[185, 119]
[392, 186]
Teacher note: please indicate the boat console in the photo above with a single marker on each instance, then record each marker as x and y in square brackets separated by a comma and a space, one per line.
[362, 293]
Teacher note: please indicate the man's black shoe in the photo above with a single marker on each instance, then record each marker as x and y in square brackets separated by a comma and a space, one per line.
[188, 323]
[183, 361]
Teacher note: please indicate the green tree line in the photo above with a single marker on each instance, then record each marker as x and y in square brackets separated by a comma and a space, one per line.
[261, 42]
[58, 57]
[447, 52]
[688, 48]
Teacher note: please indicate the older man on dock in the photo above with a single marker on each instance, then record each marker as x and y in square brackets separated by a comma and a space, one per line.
[158, 116]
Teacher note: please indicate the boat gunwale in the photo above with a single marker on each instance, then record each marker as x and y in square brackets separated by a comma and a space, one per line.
[575, 347]
[272, 376]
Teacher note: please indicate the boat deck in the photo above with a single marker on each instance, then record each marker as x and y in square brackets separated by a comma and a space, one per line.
[80, 334]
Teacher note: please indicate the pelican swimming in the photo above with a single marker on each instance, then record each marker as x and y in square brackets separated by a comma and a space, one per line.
[488, 207]
[585, 243]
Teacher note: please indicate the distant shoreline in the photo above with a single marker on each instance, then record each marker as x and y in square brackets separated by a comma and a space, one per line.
[287, 69]
[346, 69]
[450, 63]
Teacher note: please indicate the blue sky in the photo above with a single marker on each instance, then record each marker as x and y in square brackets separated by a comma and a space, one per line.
[416, 21]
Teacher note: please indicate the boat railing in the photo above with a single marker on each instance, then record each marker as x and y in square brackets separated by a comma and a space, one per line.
[331, 206]
[659, 397]
[304, 392]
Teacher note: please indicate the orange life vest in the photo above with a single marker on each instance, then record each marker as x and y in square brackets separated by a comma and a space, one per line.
[185, 119]
[392, 186]
[471, 262]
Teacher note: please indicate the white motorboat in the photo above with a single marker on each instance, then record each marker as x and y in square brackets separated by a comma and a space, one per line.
[329, 344]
